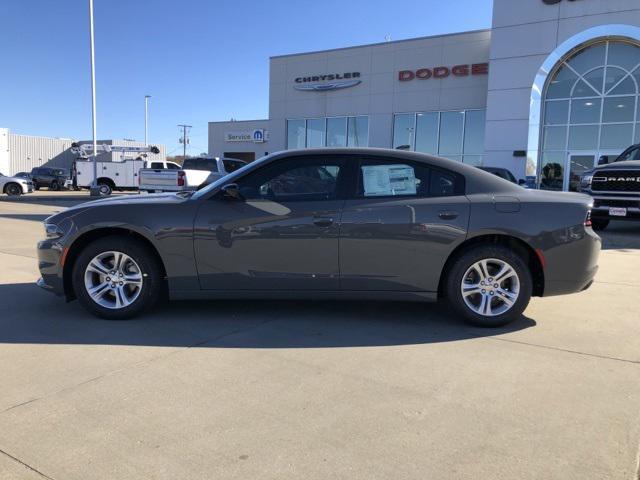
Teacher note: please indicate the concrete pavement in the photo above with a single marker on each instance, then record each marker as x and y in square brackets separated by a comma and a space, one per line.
[317, 390]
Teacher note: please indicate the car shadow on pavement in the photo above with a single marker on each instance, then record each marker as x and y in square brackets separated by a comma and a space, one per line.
[621, 235]
[38, 317]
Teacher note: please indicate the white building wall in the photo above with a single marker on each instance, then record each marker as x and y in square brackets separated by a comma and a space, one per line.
[524, 33]
[28, 151]
[219, 144]
[4, 151]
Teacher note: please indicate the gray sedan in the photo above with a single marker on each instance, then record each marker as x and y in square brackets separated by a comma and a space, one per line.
[366, 224]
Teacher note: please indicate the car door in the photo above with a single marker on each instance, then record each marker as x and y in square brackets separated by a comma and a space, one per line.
[404, 219]
[283, 234]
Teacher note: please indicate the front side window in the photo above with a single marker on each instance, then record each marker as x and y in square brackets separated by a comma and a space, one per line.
[388, 178]
[297, 179]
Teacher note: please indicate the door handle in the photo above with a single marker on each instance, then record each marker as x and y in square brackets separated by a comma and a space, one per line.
[448, 215]
[322, 221]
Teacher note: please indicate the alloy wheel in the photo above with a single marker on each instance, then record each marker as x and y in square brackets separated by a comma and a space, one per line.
[490, 287]
[113, 280]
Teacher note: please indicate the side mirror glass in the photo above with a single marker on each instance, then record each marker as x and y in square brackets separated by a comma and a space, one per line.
[232, 190]
[603, 160]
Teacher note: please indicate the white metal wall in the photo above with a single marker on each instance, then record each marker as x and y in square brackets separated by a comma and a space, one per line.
[27, 152]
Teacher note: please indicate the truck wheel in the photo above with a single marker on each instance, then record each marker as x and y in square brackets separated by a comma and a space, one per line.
[489, 285]
[13, 190]
[104, 188]
[55, 186]
[117, 278]
[599, 224]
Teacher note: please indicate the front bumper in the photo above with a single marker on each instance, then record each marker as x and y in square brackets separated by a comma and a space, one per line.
[50, 266]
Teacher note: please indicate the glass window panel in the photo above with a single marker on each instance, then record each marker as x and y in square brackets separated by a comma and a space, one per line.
[626, 87]
[560, 85]
[337, 132]
[619, 109]
[624, 55]
[552, 172]
[595, 79]
[427, 132]
[451, 125]
[584, 137]
[358, 131]
[582, 89]
[474, 131]
[588, 58]
[556, 113]
[614, 75]
[586, 110]
[315, 132]
[616, 136]
[555, 138]
[403, 127]
[295, 134]
[637, 133]
[475, 160]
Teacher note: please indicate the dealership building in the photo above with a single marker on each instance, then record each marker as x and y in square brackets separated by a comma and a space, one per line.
[551, 87]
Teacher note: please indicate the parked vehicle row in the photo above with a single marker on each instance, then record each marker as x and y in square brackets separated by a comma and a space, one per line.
[325, 224]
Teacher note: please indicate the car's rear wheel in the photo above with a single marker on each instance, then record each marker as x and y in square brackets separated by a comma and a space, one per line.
[13, 189]
[55, 186]
[105, 189]
[117, 278]
[599, 224]
[489, 285]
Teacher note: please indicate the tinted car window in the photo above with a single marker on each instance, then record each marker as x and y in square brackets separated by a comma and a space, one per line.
[393, 178]
[157, 165]
[173, 166]
[208, 164]
[303, 179]
[232, 165]
[631, 155]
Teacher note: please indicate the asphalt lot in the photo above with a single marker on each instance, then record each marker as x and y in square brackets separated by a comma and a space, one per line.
[241, 390]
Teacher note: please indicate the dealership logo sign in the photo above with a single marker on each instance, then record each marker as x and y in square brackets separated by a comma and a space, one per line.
[258, 135]
[327, 82]
[444, 72]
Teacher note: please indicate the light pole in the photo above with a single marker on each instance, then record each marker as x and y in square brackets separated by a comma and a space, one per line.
[146, 118]
[94, 185]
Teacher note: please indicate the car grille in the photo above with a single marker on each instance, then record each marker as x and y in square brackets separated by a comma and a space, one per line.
[616, 181]
[616, 203]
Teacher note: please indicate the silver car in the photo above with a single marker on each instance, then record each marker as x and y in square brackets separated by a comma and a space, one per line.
[14, 186]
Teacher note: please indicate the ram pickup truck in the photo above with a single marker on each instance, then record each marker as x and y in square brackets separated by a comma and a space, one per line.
[615, 188]
[195, 172]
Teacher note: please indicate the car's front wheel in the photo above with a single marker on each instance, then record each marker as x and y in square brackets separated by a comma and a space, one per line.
[117, 278]
[489, 285]
[13, 189]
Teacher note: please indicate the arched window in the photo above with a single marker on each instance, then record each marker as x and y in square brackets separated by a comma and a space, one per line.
[590, 108]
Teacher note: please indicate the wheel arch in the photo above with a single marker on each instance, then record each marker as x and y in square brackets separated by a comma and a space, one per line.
[522, 248]
[107, 181]
[8, 184]
[89, 236]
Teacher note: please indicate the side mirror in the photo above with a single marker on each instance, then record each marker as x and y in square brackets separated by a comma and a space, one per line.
[603, 160]
[522, 181]
[232, 190]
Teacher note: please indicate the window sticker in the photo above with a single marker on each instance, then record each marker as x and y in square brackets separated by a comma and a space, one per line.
[387, 180]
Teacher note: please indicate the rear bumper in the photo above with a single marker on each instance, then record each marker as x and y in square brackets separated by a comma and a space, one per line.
[572, 264]
[49, 255]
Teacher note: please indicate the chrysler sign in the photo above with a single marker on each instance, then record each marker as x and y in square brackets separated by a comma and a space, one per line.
[329, 81]
[444, 72]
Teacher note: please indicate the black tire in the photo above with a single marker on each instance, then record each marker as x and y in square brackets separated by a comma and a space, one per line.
[55, 186]
[464, 262]
[13, 189]
[105, 188]
[150, 269]
[36, 186]
[599, 224]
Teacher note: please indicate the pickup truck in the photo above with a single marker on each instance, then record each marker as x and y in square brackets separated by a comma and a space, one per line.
[195, 172]
[615, 188]
[121, 175]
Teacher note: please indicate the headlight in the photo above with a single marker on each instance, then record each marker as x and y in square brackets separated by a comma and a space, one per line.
[585, 181]
[52, 231]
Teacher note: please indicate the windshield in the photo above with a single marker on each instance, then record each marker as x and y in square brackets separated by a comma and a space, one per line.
[230, 178]
[630, 155]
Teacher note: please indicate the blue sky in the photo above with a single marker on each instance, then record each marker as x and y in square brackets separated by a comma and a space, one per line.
[201, 60]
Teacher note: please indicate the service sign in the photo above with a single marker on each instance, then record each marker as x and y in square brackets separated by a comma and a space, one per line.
[259, 135]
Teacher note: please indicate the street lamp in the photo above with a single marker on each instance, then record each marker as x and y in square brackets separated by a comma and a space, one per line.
[94, 185]
[146, 117]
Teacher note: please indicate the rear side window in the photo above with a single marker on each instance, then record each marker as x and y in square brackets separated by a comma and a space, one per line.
[157, 165]
[392, 178]
[208, 164]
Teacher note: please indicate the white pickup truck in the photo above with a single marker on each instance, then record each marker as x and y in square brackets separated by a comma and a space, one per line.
[194, 172]
[121, 175]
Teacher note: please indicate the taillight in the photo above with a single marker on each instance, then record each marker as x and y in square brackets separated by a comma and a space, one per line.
[181, 179]
[587, 221]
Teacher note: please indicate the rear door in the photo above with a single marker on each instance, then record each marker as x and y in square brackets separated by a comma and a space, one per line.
[400, 226]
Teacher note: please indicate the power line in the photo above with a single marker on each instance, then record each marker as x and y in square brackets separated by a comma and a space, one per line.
[184, 139]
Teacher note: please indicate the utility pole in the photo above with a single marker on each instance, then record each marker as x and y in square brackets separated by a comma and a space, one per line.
[94, 185]
[184, 139]
[146, 117]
